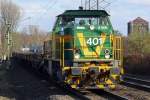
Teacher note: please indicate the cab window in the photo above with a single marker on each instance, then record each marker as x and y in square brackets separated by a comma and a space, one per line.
[103, 21]
[67, 21]
[92, 21]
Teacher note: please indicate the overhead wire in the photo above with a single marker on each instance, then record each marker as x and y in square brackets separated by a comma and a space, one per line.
[48, 5]
[46, 10]
[45, 7]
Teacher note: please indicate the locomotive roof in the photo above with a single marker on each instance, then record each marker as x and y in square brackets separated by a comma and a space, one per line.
[84, 13]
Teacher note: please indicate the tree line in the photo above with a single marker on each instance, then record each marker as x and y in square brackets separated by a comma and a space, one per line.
[137, 53]
[31, 36]
[10, 17]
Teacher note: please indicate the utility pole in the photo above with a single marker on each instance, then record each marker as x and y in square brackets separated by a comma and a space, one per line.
[89, 4]
[8, 40]
[97, 4]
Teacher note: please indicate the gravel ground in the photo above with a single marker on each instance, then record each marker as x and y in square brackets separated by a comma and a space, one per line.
[20, 84]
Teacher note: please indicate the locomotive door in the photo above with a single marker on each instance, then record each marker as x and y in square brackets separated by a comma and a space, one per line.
[118, 51]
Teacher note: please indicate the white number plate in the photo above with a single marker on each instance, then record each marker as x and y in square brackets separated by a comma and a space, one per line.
[94, 41]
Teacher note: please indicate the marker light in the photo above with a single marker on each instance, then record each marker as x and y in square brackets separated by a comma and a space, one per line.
[107, 56]
[76, 55]
[107, 51]
[92, 27]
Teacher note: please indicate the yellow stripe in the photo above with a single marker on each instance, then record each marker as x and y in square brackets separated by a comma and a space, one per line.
[85, 49]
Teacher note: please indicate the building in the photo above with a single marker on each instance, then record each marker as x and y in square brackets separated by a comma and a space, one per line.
[138, 25]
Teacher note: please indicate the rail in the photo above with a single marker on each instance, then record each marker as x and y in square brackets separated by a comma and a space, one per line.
[136, 83]
[109, 95]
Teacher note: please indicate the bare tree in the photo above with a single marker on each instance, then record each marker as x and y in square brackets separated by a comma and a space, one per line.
[137, 56]
[10, 13]
[9, 17]
[37, 36]
[138, 44]
[31, 37]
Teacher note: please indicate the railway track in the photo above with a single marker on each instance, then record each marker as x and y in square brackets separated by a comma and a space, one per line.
[18, 83]
[108, 95]
[115, 96]
[76, 94]
[131, 93]
[96, 94]
[60, 91]
[138, 76]
[137, 83]
[119, 94]
[89, 95]
[130, 89]
[123, 93]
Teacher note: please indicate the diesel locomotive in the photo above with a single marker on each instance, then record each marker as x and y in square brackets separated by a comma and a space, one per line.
[84, 51]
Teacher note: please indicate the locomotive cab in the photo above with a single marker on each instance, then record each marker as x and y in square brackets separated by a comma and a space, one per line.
[85, 51]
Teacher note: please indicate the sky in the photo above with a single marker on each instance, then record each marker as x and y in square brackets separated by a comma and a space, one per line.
[43, 12]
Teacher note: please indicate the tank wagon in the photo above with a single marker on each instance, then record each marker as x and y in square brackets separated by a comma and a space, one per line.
[83, 51]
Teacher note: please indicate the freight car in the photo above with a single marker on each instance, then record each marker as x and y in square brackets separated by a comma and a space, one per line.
[83, 51]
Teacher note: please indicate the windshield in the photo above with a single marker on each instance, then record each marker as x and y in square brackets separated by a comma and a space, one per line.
[102, 21]
[92, 21]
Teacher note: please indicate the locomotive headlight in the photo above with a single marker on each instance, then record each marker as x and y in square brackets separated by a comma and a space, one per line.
[107, 53]
[92, 27]
[76, 55]
[107, 56]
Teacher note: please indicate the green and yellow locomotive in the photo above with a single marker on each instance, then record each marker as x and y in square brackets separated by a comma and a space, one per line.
[85, 52]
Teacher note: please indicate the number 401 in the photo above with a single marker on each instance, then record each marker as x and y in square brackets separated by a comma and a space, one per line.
[94, 41]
